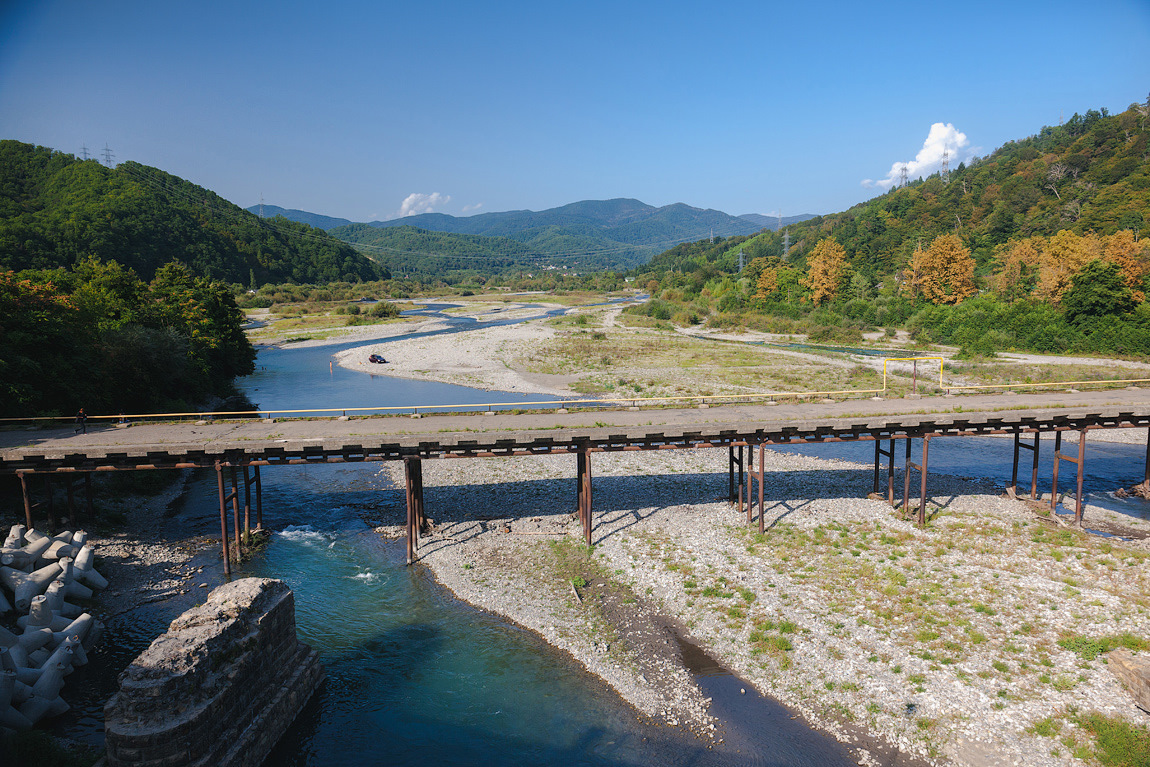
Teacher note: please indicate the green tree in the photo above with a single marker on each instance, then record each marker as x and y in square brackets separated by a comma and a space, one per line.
[1099, 290]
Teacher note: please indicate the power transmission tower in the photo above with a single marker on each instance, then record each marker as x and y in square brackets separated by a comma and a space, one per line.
[84, 151]
[742, 262]
[945, 166]
[261, 205]
[902, 175]
[108, 155]
[786, 243]
[712, 235]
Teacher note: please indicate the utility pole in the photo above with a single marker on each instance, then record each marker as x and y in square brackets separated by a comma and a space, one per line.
[108, 155]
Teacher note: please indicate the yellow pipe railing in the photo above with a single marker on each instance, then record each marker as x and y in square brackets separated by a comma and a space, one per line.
[911, 359]
[614, 401]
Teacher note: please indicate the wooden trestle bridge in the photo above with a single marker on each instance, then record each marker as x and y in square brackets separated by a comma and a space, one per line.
[238, 455]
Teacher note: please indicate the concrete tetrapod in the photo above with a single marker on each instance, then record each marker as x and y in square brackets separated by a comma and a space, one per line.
[55, 634]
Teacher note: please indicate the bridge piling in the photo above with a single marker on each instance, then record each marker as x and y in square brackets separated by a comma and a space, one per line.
[879, 454]
[234, 497]
[1080, 462]
[413, 474]
[247, 503]
[750, 474]
[1146, 474]
[223, 521]
[259, 499]
[762, 455]
[27, 500]
[922, 471]
[1033, 448]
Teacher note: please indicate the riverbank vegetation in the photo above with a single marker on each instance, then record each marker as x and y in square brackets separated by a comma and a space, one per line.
[99, 337]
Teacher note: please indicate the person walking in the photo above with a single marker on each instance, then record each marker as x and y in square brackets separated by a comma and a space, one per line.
[82, 421]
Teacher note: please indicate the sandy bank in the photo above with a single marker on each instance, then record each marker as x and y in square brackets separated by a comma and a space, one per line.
[485, 358]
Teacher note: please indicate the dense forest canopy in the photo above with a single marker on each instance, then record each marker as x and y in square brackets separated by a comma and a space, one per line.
[99, 337]
[56, 210]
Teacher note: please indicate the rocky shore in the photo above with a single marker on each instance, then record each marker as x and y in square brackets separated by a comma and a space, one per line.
[958, 643]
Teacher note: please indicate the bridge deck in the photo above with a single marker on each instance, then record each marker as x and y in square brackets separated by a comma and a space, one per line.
[177, 445]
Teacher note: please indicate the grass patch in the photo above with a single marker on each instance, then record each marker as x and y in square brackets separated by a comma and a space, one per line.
[1089, 648]
[1118, 743]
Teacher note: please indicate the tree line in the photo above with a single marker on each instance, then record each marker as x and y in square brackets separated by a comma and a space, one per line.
[98, 336]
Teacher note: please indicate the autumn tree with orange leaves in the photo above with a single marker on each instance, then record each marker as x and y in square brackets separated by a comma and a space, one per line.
[944, 272]
[827, 265]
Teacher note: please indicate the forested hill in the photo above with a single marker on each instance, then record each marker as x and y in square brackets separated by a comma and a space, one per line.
[1090, 174]
[55, 210]
[449, 257]
[619, 220]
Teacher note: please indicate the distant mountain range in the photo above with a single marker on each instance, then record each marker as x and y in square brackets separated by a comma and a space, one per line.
[592, 234]
[301, 216]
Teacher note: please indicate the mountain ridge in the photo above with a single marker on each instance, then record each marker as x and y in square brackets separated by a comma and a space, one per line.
[616, 233]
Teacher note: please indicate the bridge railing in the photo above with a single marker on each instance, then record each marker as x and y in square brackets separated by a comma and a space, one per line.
[591, 402]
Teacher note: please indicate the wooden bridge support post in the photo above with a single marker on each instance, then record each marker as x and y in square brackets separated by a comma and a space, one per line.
[585, 505]
[580, 467]
[750, 475]
[1080, 461]
[906, 478]
[413, 474]
[247, 504]
[1146, 474]
[1034, 448]
[890, 473]
[878, 455]
[1078, 507]
[259, 500]
[27, 499]
[762, 456]
[223, 521]
[420, 515]
[739, 491]
[922, 473]
[731, 471]
[235, 499]
[53, 524]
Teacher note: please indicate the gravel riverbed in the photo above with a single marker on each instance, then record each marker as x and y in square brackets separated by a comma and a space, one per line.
[936, 644]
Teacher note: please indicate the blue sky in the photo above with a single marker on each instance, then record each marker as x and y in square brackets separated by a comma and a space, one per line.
[350, 109]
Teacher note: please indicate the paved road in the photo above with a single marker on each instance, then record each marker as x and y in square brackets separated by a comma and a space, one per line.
[104, 438]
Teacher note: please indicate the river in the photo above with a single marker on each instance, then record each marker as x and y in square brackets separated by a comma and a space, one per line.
[416, 676]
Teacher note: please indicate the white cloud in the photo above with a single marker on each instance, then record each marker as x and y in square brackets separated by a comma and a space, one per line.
[472, 208]
[942, 137]
[418, 202]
